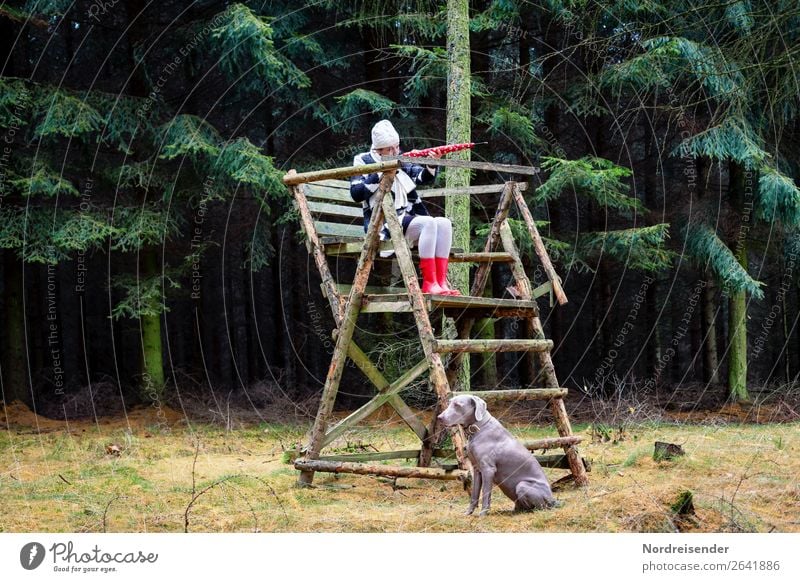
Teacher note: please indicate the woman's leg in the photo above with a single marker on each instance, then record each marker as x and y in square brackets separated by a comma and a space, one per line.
[423, 231]
[444, 241]
[444, 236]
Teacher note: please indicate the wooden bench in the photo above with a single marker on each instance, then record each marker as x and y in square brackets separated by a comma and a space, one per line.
[339, 220]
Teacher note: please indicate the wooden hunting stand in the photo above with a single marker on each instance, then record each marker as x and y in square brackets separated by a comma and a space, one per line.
[332, 223]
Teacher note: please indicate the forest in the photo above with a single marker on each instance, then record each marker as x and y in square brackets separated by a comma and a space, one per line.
[180, 341]
[150, 249]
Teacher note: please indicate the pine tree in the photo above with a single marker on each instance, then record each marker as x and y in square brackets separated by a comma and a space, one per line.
[725, 73]
[641, 248]
[160, 166]
[459, 122]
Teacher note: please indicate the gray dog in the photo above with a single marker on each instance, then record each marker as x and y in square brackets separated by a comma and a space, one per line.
[497, 457]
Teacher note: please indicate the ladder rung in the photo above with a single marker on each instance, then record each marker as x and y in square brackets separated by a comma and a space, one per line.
[381, 470]
[468, 302]
[518, 394]
[496, 345]
[481, 258]
[353, 249]
[398, 302]
[382, 455]
[336, 248]
[471, 190]
[369, 305]
[560, 462]
[344, 289]
[552, 443]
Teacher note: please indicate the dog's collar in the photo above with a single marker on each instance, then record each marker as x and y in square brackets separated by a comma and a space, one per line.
[472, 429]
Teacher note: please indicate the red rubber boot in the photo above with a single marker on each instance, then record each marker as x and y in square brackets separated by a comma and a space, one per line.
[441, 276]
[429, 282]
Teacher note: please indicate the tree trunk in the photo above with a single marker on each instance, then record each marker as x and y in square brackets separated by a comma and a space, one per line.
[737, 352]
[14, 368]
[653, 351]
[35, 308]
[254, 355]
[737, 302]
[238, 313]
[709, 302]
[71, 341]
[269, 319]
[678, 331]
[787, 338]
[651, 200]
[784, 353]
[459, 119]
[696, 327]
[285, 299]
[710, 351]
[601, 287]
[796, 343]
[608, 315]
[152, 365]
[524, 44]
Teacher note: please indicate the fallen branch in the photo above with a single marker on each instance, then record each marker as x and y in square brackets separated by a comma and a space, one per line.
[194, 466]
[249, 505]
[196, 496]
[108, 505]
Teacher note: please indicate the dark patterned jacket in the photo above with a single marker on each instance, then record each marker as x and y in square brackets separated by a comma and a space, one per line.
[407, 201]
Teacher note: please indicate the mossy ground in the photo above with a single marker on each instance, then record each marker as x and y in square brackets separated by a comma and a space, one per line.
[60, 477]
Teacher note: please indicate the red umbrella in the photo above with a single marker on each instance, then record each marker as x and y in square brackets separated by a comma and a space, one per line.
[441, 150]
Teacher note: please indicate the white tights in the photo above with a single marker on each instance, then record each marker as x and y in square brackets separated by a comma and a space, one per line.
[434, 236]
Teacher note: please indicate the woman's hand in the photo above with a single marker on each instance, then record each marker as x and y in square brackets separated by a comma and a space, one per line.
[434, 156]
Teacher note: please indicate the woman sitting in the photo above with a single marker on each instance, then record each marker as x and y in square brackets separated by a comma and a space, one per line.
[433, 236]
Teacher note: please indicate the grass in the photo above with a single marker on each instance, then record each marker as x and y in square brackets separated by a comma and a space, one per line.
[60, 478]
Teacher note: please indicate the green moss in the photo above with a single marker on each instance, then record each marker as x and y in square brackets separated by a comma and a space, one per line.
[683, 504]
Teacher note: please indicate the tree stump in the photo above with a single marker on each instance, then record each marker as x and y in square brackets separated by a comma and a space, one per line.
[667, 451]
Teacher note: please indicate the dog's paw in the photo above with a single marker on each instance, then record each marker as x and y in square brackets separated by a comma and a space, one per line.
[469, 511]
[483, 512]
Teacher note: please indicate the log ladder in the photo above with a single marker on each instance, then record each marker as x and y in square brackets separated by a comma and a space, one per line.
[331, 222]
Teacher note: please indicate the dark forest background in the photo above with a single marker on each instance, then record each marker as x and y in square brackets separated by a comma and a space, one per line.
[142, 209]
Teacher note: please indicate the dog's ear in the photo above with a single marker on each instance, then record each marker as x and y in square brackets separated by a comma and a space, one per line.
[480, 408]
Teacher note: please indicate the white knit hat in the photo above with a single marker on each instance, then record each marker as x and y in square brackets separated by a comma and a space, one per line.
[384, 135]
